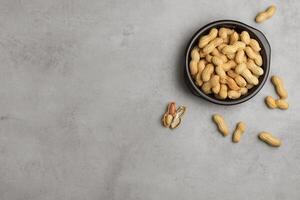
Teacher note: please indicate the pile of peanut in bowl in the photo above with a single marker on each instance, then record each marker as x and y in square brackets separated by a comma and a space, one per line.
[226, 63]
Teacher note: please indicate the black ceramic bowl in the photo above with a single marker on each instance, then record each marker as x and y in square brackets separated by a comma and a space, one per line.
[239, 27]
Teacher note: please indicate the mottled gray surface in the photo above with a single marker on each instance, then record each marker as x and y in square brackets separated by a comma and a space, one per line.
[83, 88]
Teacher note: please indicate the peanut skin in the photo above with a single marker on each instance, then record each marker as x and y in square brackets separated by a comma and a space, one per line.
[221, 124]
[239, 130]
[269, 139]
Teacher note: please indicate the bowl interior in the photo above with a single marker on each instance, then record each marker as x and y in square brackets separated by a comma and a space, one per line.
[239, 27]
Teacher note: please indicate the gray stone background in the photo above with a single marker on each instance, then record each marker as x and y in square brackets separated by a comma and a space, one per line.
[84, 85]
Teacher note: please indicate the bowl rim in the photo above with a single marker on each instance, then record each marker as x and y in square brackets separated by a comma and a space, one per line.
[197, 91]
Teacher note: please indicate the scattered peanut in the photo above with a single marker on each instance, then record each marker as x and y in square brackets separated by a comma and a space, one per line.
[239, 130]
[279, 103]
[168, 116]
[269, 139]
[270, 101]
[278, 83]
[268, 13]
[172, 117]
[177, 118]
[221, 124]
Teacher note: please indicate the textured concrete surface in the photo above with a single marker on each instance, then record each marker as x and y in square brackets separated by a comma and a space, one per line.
[83, 88]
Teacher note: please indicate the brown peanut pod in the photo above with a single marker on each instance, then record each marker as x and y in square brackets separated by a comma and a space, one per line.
[206, 87]
[207, 72]
[221, 124]
[212, 44]
[268, 13]
[208, 58]
[244, 71]
[269, 139]
[193, 67]
[243, 90]
[231, 83]
[195, 54]
[240, 56]
[256, 70]
[232, 74]
[233, 38]
[217, 61]
[225, 32]
[220, 71]
[245, 37]
[223, 91]
[230, 56]
[282, 104]
[270, 102]
[202, 54]
[254, 55]
[238, 132]
[249, 86]
[233, 94]
[229, 65]
[204, 40]
[221, 46]
[254, 45]
[198, 79]
[240, 81]
[215, 84]
[278, 83]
